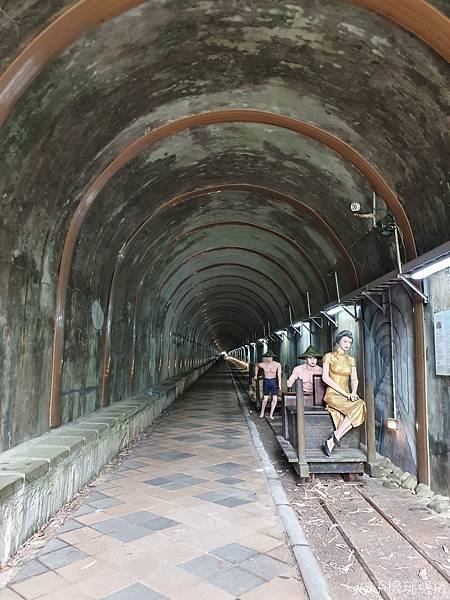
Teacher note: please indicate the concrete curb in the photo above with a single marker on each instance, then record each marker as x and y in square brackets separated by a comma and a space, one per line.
[313, 578]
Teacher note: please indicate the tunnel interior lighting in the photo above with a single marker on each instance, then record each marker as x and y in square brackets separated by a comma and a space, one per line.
[391, 424]
[334, 310]
[428, 270]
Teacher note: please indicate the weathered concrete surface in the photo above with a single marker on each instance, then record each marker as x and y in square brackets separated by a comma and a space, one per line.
[21, 21]
[438, 389]
[333, 64]
[442, 5]
[38, 477]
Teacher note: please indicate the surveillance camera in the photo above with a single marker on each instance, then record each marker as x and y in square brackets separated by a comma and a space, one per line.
[355, 206]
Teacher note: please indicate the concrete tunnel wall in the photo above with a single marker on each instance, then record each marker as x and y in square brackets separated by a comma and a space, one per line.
[216, 228]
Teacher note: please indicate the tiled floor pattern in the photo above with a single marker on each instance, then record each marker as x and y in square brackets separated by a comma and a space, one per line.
[186, 516]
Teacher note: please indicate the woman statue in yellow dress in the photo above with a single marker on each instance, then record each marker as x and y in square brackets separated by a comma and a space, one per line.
[346, 408]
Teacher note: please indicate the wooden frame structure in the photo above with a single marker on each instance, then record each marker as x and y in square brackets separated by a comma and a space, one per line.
[305, 427]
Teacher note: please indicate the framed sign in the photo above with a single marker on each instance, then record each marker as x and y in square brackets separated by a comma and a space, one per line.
[442, 342]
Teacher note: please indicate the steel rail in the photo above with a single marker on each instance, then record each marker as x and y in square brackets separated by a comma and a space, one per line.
[404, 535]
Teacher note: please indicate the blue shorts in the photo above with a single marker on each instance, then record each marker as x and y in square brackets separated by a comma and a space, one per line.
[270, 386]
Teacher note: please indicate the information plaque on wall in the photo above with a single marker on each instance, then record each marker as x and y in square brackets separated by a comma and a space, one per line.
[442, 342]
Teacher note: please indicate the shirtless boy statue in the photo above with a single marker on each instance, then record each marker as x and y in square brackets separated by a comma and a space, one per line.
[306, 372]
[272, 381]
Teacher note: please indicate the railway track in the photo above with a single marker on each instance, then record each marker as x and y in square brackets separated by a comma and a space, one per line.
[414, 568]
[390, 542]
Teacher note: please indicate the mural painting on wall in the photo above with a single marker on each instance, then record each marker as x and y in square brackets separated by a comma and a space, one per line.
[389, 353]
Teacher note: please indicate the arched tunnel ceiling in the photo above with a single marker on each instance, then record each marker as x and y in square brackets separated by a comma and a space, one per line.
[336, 65]
[311, 174]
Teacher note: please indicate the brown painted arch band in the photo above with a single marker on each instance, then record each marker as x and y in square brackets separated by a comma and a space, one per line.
[217, 305]
[299, 206]
[417, 16]
[250, 295]
[256, 296]
[170, 129]
[263, 256]
[122, 253]
[247, 297]
[206, 299]
[247, 313]
[267, 230]
[232, 314]
[232, 295]
[320, 223]
[270, 302]
[238, 279]
[258, 272]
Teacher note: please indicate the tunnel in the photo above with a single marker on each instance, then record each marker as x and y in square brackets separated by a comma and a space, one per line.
[182, 179]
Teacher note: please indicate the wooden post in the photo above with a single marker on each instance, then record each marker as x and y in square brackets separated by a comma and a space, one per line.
[303, 469]
[370, 429]
[283, 382]
[370, 432]
[423, 467]
[370, 404]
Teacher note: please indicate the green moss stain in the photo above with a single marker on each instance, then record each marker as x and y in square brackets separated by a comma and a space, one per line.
[175, 32]
[276, 17]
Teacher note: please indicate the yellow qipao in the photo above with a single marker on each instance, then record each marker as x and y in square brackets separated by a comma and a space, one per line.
[339, 406]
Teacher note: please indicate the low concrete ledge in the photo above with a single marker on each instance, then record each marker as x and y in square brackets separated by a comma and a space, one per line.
[38, 477]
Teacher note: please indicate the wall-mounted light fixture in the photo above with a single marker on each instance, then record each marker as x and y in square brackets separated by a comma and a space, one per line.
[401, 275]
[431, 268]
[390, 424]
[281, 332]
[298, 327]
[327, 316]
[338, 308]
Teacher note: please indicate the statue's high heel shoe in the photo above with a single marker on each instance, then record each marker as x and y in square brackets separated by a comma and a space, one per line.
[326, 449]
[336, 441]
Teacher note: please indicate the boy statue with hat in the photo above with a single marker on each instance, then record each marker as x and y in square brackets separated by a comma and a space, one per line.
[306, 372]
[272, 381]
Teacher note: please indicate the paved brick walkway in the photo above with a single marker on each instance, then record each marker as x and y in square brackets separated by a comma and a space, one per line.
[186, 516]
